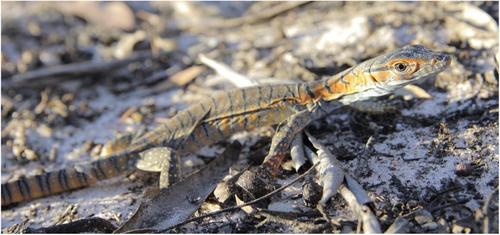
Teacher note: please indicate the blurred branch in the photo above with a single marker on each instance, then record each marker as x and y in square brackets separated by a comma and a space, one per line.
[249, 19]
[43, 75]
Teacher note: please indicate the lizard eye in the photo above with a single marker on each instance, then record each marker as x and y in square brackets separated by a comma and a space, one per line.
[401, 67]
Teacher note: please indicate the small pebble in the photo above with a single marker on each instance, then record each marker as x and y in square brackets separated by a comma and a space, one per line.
[17, 150]
[44, 131]
[423, 217]
[412, 204]
[30, 155]
[430, 226]
[53, 153]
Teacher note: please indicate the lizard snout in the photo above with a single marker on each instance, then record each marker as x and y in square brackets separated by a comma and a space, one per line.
[445, 58]
[441, 60]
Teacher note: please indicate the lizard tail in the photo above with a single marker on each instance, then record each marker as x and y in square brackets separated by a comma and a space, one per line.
[51, 183]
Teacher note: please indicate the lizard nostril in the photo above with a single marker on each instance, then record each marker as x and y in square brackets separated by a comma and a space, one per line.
[443, 57]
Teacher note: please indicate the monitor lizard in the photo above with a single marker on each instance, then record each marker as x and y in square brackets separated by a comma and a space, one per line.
[292, 106]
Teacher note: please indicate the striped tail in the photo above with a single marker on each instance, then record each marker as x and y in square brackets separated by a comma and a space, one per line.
[51, 183]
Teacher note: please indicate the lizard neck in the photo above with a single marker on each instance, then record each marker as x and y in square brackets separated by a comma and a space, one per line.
[350, 82]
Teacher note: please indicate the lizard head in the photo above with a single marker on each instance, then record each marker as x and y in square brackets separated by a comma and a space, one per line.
[382, 75]
[406, 65]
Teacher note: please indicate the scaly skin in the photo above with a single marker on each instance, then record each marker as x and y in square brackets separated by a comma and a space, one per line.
[293, 106]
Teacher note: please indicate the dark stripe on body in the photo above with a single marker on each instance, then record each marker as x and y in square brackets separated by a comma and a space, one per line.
[172, 137]
[39, 181]
[218, 127]
[6, 195]
[244, 99]
[193, 122]
[203, 107]
[23, 187]
[82, 178]
[3, 195]
[271, 90]
[204, 127]
[214, 103]
[309, 92]
[179, 120]
[168, 136]
[245, 121]
[230, 100]
[94, 172]
[259, 96]
[290, 91]
[230, 110]
[327, 86]
[341, 78]
[96, 168]
[192, 137]
[63, 180]
[47, 181]
[168, 129]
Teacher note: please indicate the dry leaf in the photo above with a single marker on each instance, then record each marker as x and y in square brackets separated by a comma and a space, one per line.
[187, 75]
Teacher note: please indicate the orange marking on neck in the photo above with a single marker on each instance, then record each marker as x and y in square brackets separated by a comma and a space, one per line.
[381, 76]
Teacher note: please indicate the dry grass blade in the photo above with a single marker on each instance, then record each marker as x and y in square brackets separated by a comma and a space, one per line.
[225, 71]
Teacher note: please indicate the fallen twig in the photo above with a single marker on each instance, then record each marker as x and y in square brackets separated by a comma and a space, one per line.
[237, 79]
[460, 202]
[248, 19]
[39, 76]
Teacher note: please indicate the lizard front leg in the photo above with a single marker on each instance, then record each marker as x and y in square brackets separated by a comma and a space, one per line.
[281, 141]
[258, 181]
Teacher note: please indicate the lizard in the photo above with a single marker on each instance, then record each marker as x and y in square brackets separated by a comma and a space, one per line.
[291, 106]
